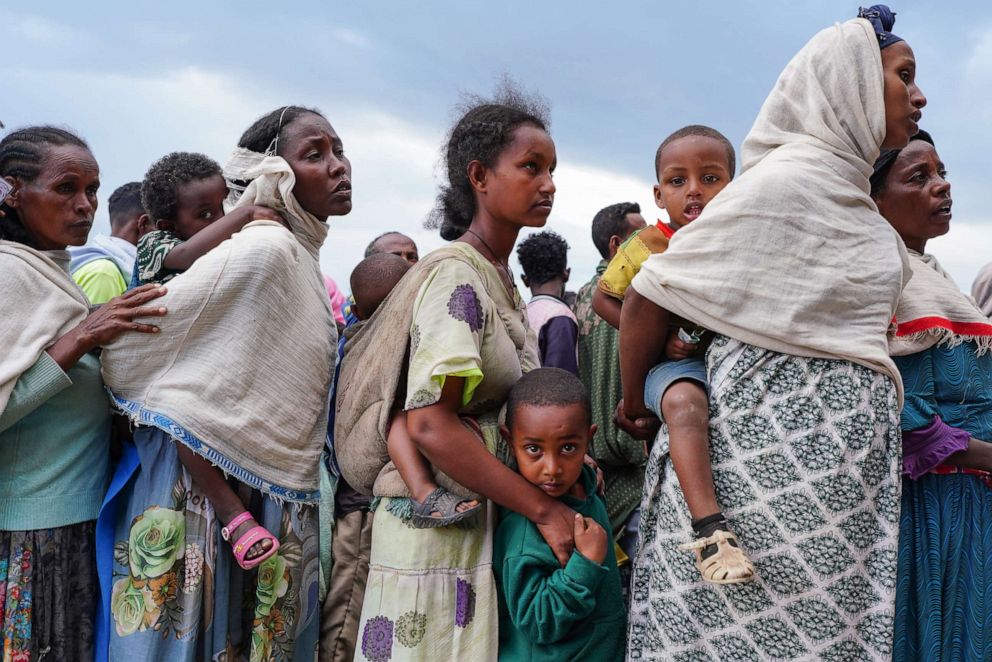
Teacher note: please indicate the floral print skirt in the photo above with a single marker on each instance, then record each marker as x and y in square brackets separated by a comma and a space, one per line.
[806, 458]
[178, 593]
[48, 593]
[430, 593]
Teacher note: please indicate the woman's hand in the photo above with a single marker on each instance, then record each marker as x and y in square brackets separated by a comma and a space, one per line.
[558, 530]
[600, 477]
[641, 425]
[107, 323]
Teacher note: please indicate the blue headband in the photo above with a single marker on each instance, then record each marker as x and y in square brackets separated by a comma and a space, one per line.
[882, 19]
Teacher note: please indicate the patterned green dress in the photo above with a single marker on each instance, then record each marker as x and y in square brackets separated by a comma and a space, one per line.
[430, 593]
[806, 459]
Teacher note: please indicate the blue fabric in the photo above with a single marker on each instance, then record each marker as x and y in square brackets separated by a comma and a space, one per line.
[199, 602]
[882, 19]
[944, 589]
[665, 374]
[105, 525]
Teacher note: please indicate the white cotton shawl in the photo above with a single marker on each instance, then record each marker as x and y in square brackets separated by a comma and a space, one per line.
[241, 370]
[793, 256]
[41, 303]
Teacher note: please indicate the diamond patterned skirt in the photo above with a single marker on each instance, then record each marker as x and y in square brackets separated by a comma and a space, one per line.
[806, 459]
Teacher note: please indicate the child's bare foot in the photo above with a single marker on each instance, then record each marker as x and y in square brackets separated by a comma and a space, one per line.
[250, 542]
[438, 508]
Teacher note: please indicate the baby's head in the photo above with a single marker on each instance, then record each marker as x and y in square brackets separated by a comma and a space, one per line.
[183, 193]
[692, 165]
[372, 281]
[548, 428]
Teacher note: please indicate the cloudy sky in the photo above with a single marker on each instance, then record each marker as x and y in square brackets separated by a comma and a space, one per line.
[139, 83]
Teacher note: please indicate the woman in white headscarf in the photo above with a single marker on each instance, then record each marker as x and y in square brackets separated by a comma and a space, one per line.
[239, 375]
[799, 276]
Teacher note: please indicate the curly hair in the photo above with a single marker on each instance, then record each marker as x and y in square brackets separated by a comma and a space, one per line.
[483, 131]
[610, 221]
[696, 130]
[160, 187]
[22, 155]
[265, 131]
[547, 387]
[543, 256]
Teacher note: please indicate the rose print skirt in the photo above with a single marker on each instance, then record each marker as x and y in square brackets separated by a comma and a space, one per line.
[430, 593]
[178, 593]
[48, 593]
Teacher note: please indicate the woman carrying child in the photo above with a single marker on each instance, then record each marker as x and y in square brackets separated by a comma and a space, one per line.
[240, 380]
[804, 428]
[431, 593]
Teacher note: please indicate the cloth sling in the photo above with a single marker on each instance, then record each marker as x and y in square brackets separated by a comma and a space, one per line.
[934, 311]
[792, 256]
[41, 303]
[241, 369]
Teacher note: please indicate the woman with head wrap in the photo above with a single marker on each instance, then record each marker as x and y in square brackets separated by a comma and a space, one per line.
[940, 342]
[798, 275]
[240, 376]
[54, 416]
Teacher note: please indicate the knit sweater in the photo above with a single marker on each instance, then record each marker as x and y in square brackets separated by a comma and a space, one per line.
[54, 445]
[552, 613]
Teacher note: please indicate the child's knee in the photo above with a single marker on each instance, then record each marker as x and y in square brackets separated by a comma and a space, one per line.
[685, 403]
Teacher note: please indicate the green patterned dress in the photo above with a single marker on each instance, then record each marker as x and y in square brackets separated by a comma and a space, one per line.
[806, 460]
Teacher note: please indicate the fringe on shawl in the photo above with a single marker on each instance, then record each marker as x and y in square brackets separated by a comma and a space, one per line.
[278, 493]
[941, 337]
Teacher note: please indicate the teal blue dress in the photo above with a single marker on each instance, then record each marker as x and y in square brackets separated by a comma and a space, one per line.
[944, 586]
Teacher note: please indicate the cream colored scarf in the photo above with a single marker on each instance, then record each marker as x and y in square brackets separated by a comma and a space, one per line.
[793, 256]
[934, 311]
[40, 304]
[241, 369]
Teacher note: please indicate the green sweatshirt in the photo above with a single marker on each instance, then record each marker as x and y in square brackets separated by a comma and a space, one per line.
[547, 612]
[55, 446]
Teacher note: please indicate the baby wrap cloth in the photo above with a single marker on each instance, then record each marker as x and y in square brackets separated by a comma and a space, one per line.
[792, 256]
[241, 368]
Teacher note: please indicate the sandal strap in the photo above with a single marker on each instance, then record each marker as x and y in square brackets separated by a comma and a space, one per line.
[245, 542]
[233, 525]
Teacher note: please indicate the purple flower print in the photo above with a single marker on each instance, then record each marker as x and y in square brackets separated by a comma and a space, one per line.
[377, 639]
[464, 306]
[464, 603]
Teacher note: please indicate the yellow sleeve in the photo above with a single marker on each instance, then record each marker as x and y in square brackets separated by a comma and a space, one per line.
[100, 281]
[624, 266]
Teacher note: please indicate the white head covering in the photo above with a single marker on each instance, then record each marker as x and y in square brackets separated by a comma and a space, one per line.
[793, 256]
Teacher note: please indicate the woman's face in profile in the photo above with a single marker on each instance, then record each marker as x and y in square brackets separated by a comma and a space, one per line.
[323, 172]
[903, 98]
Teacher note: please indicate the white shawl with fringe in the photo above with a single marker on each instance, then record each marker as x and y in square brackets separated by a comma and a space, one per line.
[40, 304]
[793, 256]
[241, 369]
[934, 311]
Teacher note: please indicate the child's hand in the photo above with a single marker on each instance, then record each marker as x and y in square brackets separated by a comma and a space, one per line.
[260, 213]
[640, 424]
[677, 349]
[590, 539]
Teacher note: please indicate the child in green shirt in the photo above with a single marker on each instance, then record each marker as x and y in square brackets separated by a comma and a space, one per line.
[548, 612]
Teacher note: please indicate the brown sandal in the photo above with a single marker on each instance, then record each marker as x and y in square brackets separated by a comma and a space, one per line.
[728, 565]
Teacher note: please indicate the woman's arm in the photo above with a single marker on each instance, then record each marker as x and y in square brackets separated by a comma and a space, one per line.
[451, 447]
[643, 331]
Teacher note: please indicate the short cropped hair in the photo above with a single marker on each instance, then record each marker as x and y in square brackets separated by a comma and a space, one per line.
[125, 200]
[543, 256]
[370, 249]
[160, 188]
[610, 221]
[547, 387]
[696, 130]
[374, 278]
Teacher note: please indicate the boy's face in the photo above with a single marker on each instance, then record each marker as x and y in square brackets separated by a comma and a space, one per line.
[691, 171]
[550, 443]
[200, 203]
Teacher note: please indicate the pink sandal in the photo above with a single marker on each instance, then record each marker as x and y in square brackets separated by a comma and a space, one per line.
[245, 542]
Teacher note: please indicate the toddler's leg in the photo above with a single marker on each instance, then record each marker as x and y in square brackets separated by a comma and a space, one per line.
[210, 480]
[413, 467]
[685, 407]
